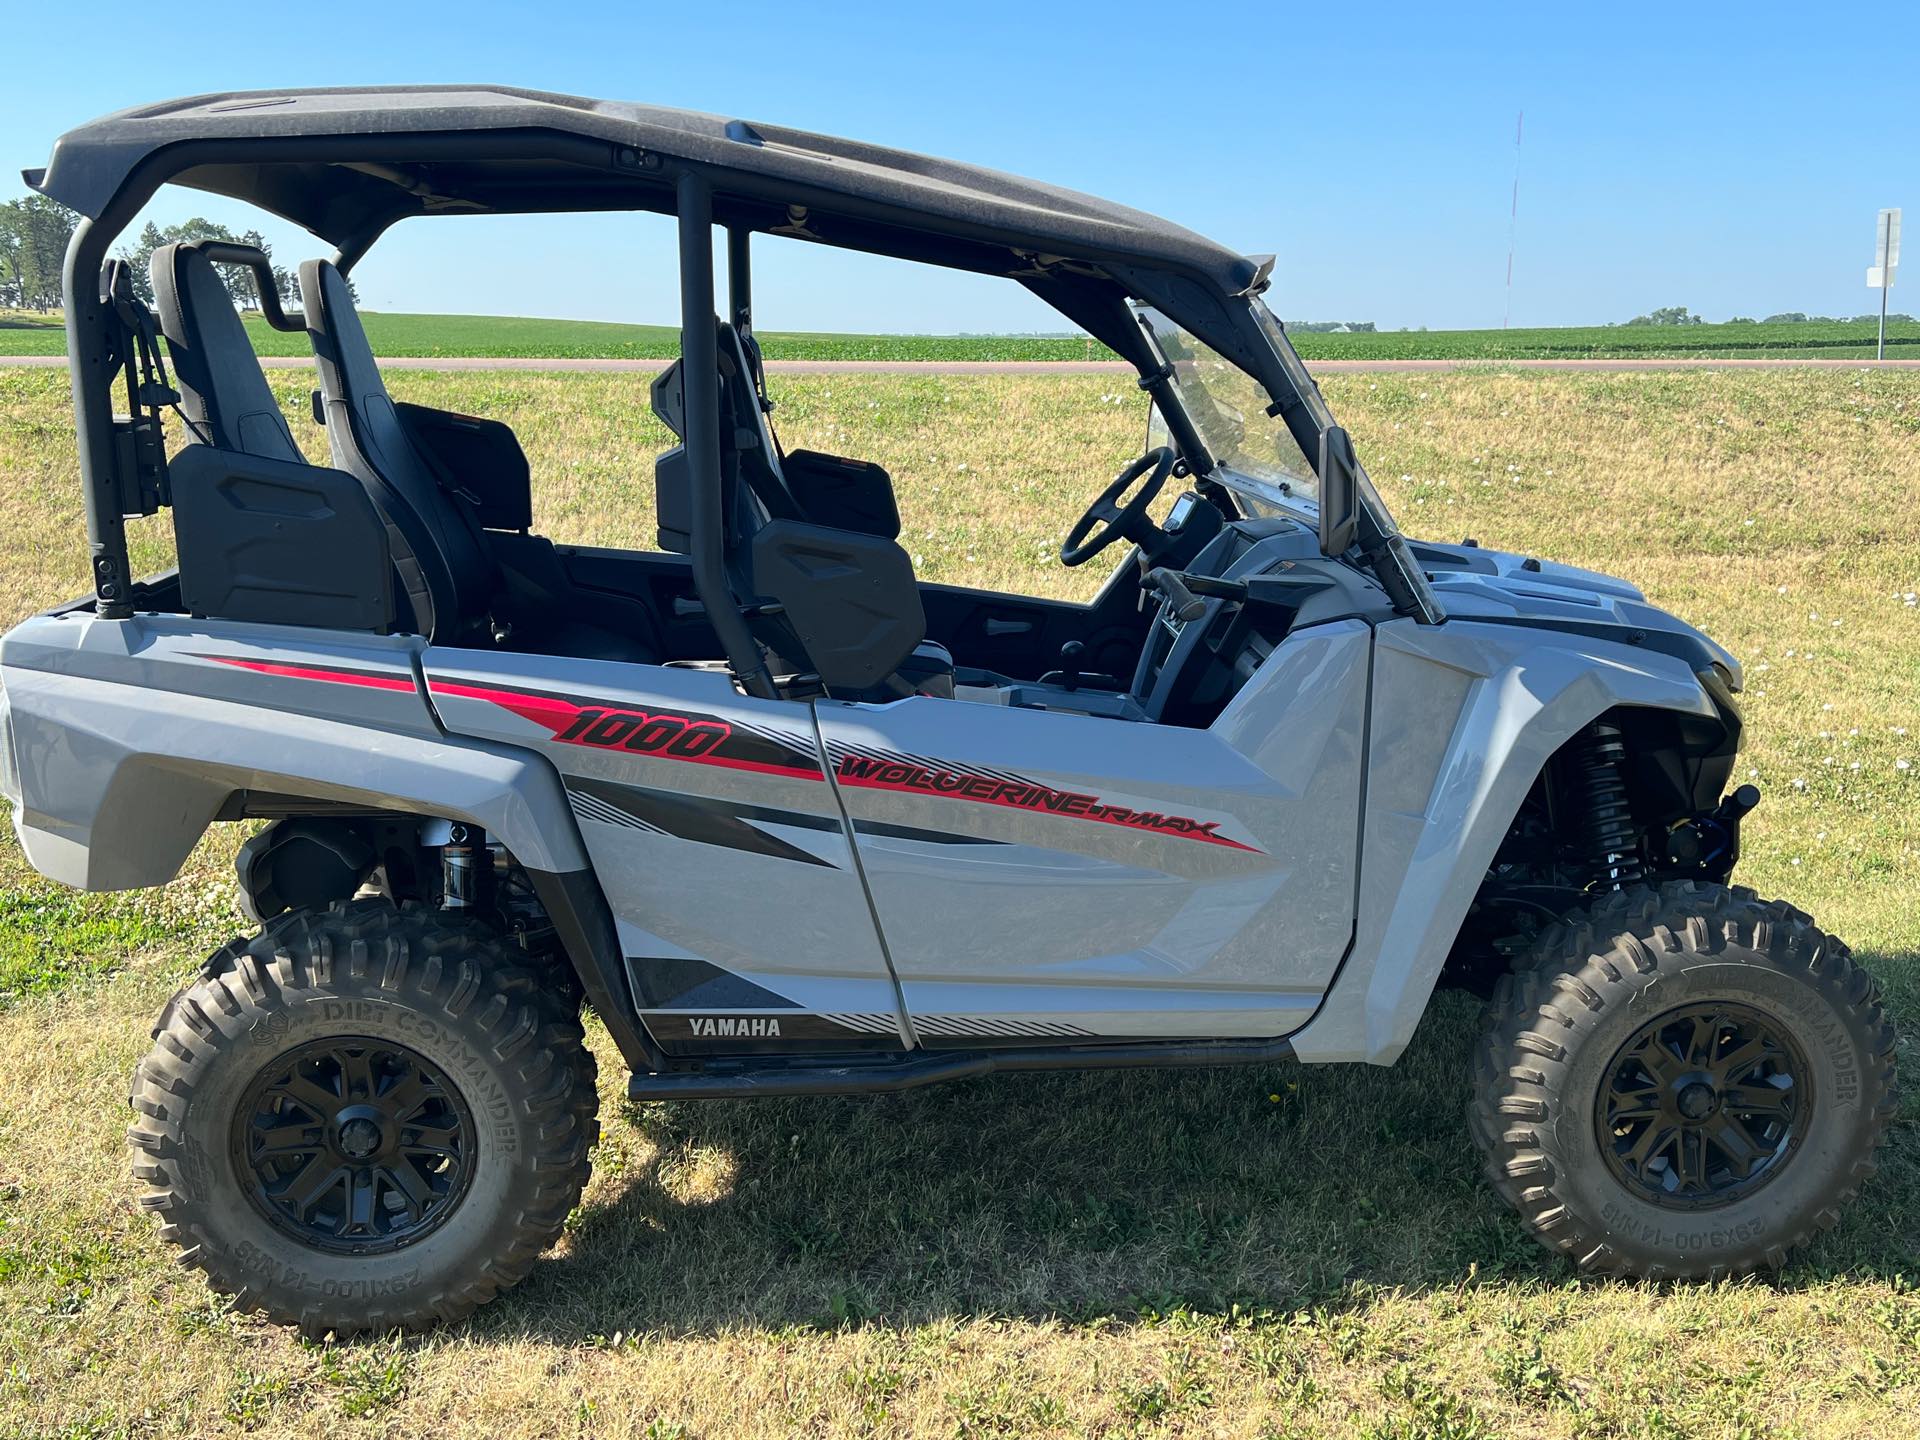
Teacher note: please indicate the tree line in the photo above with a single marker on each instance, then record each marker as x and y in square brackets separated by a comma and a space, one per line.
[1681, 315]
[34, 232]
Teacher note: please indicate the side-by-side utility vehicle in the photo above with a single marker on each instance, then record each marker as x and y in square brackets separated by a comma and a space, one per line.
[795, 822]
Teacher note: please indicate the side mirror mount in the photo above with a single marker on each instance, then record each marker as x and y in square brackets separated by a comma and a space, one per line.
[1339, 492]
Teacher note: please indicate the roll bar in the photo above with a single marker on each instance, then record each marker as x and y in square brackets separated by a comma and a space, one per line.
[700, 368]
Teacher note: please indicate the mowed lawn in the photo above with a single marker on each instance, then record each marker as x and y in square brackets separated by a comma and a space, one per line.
[1272, 1252]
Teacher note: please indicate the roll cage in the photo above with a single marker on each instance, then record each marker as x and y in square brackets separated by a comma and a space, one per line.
[346, 164]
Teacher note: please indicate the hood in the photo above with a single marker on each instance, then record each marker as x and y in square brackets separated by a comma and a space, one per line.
[1479, 584]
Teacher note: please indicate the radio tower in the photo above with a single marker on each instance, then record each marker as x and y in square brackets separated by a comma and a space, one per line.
[1513, 217]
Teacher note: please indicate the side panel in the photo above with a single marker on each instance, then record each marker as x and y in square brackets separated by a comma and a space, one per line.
[1042, 875]
[1464, 717]
[716, 837]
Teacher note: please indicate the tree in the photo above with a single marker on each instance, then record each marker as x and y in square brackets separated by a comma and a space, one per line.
[1669, 315]
[241, 282]
[34, 232]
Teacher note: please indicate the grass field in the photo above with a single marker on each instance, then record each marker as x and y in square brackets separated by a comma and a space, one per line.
[1276, 1252]
[484, 335]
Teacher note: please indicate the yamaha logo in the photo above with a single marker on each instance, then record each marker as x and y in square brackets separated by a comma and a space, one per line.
[749, 1027]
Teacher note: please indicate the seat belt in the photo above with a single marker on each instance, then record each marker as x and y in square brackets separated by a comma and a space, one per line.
[140, 452]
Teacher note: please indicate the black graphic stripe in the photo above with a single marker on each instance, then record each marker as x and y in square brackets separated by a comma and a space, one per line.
[705, 821]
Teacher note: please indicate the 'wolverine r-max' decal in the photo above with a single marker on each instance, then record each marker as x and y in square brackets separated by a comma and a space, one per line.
[735, 745]
[867, 773]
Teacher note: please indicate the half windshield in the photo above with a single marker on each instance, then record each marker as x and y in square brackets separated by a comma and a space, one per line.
[1257, 455]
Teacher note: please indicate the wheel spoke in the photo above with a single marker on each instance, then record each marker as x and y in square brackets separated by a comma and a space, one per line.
[1738, 1062]
[356, 1074]
[289, 1139]
[1618, 1115]
[1690, 1159]
[316, 1177]
[434, 1139]
[1732, 1141]
[410, 1183]
[360, 1196]
[1652, 1141]
[1637, 1102]
[407, 1095]
[310, 1095]
[1702, 1038]
[1758, 1100]
[1657, 1061]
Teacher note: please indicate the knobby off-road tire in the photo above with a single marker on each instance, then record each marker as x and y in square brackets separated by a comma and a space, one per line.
[1615, 1024]
[359, 1000]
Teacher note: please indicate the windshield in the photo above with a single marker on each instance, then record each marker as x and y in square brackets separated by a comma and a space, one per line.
[1258, 456]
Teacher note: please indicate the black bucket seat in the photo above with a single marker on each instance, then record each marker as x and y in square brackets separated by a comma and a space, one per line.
[448, 569]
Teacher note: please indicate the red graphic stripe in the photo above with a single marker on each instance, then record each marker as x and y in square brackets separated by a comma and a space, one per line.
[370, 679]
[548, 710]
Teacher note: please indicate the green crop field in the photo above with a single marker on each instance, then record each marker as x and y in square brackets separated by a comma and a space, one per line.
[465, 336]
[1250, 1254]
[1849, 340]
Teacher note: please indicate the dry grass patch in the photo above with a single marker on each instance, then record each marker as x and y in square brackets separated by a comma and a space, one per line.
[1257, 1253]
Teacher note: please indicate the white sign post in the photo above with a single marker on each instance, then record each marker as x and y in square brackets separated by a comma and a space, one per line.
[1886, 260]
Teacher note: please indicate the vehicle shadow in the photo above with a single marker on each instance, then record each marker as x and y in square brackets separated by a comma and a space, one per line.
[1077, 1196]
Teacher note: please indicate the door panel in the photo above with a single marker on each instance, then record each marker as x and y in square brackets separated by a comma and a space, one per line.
[1039, 874]
[714, 834]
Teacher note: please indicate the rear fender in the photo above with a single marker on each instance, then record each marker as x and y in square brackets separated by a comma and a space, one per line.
[125, 738]
[1464, 718]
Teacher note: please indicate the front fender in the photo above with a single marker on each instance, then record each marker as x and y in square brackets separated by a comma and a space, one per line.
[1464, 716]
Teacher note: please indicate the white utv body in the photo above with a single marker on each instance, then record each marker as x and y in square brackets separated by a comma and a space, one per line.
[793, 821]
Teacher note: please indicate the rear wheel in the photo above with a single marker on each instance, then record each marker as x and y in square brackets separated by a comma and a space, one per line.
[1685, 1081]
[365, 1117]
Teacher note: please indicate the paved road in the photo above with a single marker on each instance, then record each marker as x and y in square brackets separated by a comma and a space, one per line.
[1041, 367]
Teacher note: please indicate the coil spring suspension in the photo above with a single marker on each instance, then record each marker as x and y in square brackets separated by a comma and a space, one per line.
[1607, 836]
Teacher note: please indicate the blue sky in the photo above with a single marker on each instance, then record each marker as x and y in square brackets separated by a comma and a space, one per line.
[1725, 157]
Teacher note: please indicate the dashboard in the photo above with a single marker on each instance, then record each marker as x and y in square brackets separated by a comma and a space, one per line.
[1190, 669]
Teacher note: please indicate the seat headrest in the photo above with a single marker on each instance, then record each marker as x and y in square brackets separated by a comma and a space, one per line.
[347, 366]
[222, 388]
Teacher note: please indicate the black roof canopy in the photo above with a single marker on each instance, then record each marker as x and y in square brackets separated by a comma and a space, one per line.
[346, 163]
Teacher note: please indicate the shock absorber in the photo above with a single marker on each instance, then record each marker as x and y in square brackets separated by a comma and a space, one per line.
[465, 868]
[1607, 837]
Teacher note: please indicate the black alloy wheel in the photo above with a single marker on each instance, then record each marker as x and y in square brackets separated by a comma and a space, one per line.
[1702, 1105]
[354, 1145]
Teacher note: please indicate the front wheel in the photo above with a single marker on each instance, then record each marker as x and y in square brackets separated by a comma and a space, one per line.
[1683, 1082]
[364, 1118]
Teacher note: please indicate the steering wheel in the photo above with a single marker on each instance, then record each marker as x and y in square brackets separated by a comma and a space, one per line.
[1115, 521]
